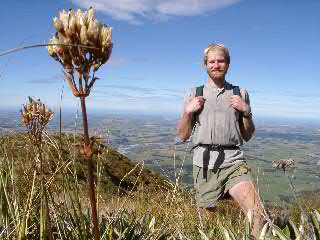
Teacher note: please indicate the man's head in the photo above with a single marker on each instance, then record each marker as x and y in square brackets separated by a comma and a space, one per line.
[216, 47]
[217, 60]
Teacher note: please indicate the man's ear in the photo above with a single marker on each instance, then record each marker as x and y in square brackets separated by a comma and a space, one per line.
[204, 65]
[228, 67]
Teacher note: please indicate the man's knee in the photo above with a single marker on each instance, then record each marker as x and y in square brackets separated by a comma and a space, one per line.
[242, 188]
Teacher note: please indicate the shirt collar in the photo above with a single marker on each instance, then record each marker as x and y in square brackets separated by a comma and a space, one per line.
[226, 86]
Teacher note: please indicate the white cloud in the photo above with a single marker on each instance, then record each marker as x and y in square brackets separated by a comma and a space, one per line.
[191, 7]
[135, 11]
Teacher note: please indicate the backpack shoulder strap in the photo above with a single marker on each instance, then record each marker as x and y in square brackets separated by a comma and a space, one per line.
[199, 91]
[236, 90]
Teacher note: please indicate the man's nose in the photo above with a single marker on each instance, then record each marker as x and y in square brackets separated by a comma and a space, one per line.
[215, 64]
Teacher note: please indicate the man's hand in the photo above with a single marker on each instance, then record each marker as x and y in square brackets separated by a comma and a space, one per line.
[246, 124]
[239, 104]
[195, 105]
[184, 127]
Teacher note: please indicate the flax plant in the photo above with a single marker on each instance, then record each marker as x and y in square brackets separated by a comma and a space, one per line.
[36, 116]
[81, 28]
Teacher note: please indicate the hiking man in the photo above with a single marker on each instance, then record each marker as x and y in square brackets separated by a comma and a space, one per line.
[219, 116]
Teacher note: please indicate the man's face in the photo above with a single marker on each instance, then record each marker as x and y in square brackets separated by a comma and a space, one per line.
[217, 65]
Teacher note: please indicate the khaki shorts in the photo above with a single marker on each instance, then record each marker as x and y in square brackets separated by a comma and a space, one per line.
[211, 187]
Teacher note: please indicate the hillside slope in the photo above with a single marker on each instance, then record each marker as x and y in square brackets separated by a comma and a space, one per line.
[115, 172]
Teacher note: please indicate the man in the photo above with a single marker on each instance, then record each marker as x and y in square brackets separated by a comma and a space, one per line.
[220, 120]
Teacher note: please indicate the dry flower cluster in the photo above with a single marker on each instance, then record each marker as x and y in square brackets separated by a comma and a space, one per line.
[35, 116]
[283, 163]
[82, 44]
[76, 29]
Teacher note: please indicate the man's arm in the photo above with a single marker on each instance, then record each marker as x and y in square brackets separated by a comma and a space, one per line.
[184, 127]
[185, 124]
[246, 124]
[247, 127]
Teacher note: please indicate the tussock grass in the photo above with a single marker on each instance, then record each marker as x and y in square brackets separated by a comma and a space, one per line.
[133, 202]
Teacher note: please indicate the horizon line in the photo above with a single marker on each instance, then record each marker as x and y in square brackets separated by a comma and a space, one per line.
[259, 117]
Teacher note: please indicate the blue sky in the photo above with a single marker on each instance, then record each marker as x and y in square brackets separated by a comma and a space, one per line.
[157, 54]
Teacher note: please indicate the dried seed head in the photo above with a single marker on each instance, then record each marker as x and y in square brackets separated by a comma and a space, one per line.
[72, 25]
[83, 45]
[83, 35]
[63, 16]
[58, 24]
[35, 116]
[77, 20]
[90, 14]
[80, 28]
[283, 163]
[83, 19]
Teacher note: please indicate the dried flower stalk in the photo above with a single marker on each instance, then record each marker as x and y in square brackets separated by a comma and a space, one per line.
[81, 28]
[36, 116]
[283, 164]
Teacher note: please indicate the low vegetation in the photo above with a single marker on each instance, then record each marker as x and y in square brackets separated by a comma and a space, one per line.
[44, 190]
[133, 202]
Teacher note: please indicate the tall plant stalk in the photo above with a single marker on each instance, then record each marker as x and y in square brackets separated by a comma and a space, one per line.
[35, 116]
[45, 223]
[82, 29]
[88, 144]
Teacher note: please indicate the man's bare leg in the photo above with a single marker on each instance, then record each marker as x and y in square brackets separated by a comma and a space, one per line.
[247, 197]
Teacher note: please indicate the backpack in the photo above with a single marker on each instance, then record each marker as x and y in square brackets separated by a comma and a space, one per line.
[199, 93]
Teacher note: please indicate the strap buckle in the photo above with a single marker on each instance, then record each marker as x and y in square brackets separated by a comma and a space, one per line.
[215, 147]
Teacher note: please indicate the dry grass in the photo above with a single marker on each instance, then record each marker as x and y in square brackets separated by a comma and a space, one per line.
[139, 205]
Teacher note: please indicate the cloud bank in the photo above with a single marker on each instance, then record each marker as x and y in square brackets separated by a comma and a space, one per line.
[137, 11]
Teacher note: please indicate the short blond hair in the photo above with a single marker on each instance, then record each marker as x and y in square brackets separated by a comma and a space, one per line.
[216, 46]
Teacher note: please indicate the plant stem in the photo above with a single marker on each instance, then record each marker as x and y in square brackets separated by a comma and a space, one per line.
[43, 45]
[60, 118]
[45, 232]
[294, 193]
[88, 157]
